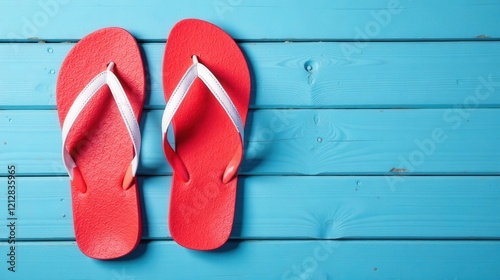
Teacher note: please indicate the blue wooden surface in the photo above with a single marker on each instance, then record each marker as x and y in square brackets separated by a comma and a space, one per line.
[364, 160]
[301, 142]
[385, 75]
[300, 207]
[262, 20]
[269, 259]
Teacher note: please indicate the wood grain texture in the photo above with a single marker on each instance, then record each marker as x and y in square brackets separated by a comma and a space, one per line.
[258, 19]
[376, 127]
[305, 75]
[268, 260]
[299, 142]
[307, 207]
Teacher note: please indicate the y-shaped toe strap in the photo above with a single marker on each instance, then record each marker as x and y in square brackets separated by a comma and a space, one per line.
[198, 70]
[127, 113]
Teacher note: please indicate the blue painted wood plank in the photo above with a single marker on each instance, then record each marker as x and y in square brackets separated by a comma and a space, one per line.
[258, 19]
[300, 142]
[301, 75]
[287, 207]
[265, 260]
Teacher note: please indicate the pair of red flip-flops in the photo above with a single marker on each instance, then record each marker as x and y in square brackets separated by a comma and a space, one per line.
[100, 95]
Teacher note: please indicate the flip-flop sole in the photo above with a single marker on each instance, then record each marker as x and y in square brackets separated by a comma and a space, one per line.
[106, 217]
[202, 210]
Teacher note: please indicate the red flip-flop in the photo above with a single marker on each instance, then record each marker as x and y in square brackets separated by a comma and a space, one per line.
[207, 87]
[100, 95]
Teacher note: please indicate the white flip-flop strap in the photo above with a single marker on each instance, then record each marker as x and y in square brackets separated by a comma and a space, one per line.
[198, 70]
[126, 111]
